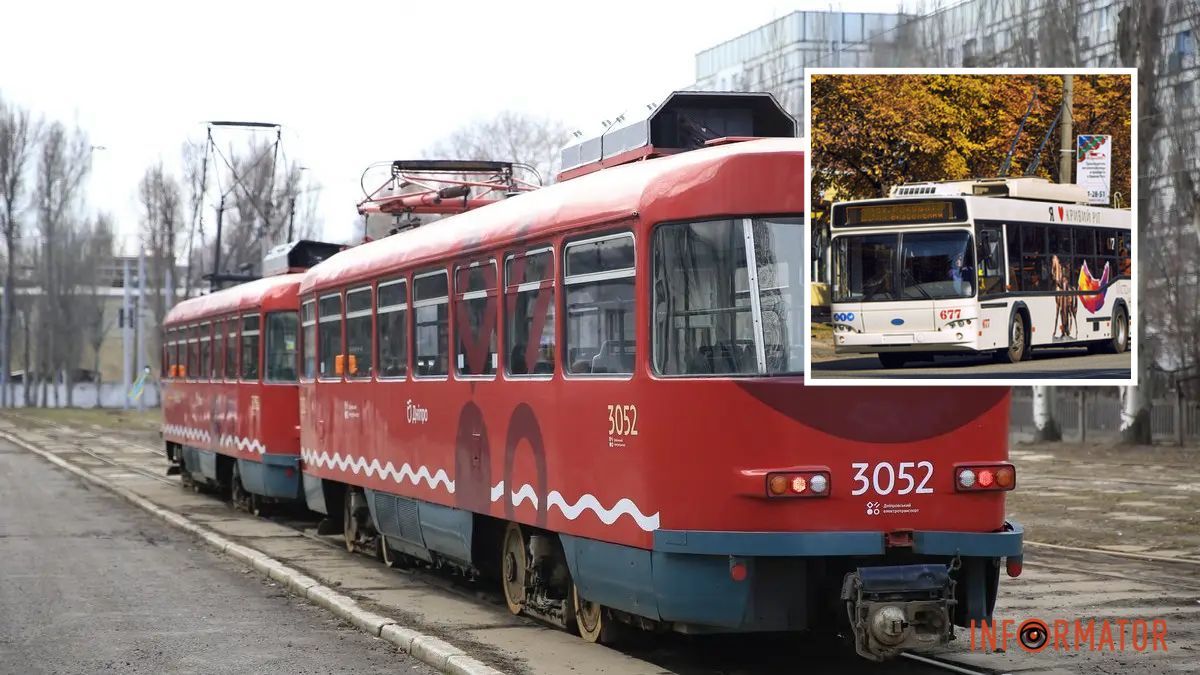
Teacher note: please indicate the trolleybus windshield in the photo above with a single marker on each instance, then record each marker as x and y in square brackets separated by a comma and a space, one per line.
[903, 266]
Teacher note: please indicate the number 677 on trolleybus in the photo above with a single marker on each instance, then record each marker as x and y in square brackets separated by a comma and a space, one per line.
[976, 266]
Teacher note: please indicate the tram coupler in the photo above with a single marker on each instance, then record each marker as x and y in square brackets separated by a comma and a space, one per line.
[898, 608]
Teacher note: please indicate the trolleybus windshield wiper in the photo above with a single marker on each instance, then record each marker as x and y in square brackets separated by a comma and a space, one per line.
[908, 274]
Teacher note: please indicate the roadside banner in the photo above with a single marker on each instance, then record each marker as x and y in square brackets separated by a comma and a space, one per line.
[1093, 166]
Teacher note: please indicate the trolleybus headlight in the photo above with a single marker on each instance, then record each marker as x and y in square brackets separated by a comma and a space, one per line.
[966, 478]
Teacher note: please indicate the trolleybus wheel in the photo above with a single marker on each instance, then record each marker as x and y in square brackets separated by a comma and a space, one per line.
[513, 565]
[1018, 347]
[893, 359]
[594, 623]
[1120, 333]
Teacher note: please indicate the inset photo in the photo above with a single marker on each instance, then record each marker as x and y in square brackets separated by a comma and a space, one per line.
[972, 226]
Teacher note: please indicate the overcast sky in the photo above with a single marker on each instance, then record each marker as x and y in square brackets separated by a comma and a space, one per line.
[351, 82]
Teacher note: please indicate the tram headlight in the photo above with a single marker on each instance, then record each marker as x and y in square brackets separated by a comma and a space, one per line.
[984, 477]
[798, 484]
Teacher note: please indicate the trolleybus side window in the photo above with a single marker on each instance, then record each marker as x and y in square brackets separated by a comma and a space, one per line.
[990, 259]
[250, 347]
[308, 313]
[329, 335]
[599, 279]
[206, 352]
[358, 333]
[529, 288]
[476, 309]
[1035, 272]
[282, 333]
[392, 328]
[231, 348]
[431, 311]
[711, 279]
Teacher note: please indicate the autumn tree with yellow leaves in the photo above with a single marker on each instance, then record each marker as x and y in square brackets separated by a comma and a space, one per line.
[870, 132]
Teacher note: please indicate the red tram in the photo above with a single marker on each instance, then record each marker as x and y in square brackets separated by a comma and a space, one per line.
[230, 410]
[594, 393]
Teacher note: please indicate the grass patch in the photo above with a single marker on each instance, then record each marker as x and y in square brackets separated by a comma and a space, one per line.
[130, 420]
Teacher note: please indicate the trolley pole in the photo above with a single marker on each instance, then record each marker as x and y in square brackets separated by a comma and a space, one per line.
[1043, 397]
[141, 328]
[126, 338]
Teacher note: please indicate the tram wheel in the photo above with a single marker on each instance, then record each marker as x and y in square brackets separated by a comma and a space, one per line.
[387, 555]
[350, 527]
[593, 621]
[237, 492]
[513, 566]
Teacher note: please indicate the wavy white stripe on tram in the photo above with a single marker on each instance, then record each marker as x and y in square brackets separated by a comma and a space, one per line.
[587, 502]
[386, 471]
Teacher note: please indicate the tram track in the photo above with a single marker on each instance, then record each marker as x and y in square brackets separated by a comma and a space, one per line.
[687, 655]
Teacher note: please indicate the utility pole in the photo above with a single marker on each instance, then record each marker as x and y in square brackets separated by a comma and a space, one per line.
[126, 338]
[1043, 403]
[141, 328]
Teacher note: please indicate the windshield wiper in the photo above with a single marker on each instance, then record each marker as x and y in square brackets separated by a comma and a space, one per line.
[909, 275]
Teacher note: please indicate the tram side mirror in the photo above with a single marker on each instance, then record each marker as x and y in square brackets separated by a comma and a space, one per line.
[339, 365]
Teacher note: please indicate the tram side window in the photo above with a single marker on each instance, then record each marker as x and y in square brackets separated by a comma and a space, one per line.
[282, 332]
[778, 243]
[231, 348]
[329, 335]
[475, 325]
[218, 364]
[529, 340]
[193, 352]
[358, 333]
[1060, 252]
[431, 325]
[392, 328]
[308, 314]
[250, 347]
[205, 351]
[599, 281]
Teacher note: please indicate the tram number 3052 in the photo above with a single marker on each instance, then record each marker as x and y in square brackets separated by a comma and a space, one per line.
[883, 477]
[622, 420]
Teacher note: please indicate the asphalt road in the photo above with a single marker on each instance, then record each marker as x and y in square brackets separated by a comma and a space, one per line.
[91, 584]
[1045, 363]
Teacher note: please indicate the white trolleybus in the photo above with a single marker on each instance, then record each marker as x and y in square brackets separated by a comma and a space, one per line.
[994, 265]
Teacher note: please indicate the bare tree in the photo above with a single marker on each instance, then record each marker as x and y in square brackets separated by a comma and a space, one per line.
[160, 197]
[509, 136]
[63, 163]
[18, 136]
[98, 242]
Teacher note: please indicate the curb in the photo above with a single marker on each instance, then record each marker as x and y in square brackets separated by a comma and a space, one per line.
[435, 652]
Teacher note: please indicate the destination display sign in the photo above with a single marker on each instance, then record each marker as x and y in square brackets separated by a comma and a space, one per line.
[901, 212]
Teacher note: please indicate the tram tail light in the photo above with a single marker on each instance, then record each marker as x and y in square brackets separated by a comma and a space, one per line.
[798, 484]
[985, 477]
